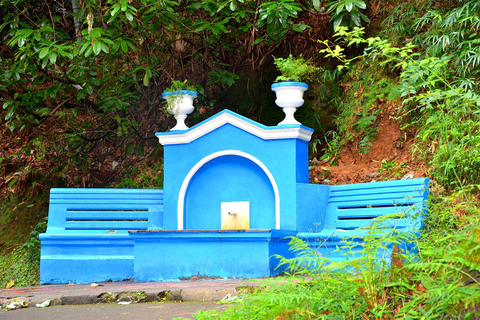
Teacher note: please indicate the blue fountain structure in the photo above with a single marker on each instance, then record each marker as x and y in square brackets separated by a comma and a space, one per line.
[234, 192]
[232, 189]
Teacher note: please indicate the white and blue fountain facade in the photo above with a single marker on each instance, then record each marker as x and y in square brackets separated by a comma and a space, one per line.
[234, 191]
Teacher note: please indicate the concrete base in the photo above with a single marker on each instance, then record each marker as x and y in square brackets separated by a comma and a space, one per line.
[163, 255]
[85, 258]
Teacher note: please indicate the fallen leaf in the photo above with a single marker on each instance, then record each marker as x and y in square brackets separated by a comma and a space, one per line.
[419, 286]
[93, 284]
[10, 284]
[44, 304]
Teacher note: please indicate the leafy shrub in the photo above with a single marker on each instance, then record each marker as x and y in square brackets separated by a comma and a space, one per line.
[21, 267]
[143, 175]
[294, 69]
[444, 110]
[347, 12]
[277, 16]
[440, 83]
[439, 282]
[392, 169]
[333, 145]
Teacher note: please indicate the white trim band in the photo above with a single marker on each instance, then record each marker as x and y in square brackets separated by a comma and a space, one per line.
[216, 122]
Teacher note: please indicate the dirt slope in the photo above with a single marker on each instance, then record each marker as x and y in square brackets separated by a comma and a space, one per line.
[389, 158]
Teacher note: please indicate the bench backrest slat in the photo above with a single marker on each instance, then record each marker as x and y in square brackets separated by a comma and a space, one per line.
[106, 225]
[338, 195]
[379, 201]
[107, 215]
[359, 213]
[104, 209]
[361, 205]
[399, 190]
[106, 202]
[387, 223]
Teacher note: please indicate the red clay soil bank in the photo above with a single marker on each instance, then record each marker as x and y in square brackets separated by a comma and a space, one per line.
[391, 144]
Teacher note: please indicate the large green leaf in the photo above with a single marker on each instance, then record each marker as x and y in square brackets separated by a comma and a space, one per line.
[43, 52]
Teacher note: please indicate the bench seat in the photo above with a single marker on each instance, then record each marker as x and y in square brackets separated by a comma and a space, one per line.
[87, 235]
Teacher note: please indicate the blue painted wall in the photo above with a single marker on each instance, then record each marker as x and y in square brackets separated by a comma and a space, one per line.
[312, 202]
[287, 160]
[227, 179]
[182, 254]
[301, 161]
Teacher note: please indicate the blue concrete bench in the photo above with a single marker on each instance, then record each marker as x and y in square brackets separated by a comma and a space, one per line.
[356, 211]
[88, 240]
[87, 236]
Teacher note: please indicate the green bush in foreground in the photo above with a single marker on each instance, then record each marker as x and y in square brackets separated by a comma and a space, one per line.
[440, 282]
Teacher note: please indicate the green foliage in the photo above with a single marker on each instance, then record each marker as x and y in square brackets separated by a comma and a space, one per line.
[347, 12]
[181, 85]
[439, 83]
[364, 124]
[294, 69]
[62, 62]
[22, 265]
[449, 213]
[277, 16]
[142, 175]
[392, 169]
[445, 110]
[222, 77]
[361, 106]
[440, 282]
[448, 263]
[441, 30]
[333, 146]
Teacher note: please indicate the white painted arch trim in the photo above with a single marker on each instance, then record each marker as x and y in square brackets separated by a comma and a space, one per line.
[216, 122]
[201, 163]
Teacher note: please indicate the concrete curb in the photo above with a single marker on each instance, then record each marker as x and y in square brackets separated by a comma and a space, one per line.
[128, 292]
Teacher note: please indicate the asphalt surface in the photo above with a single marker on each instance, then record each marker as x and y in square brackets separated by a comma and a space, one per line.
[140, 311]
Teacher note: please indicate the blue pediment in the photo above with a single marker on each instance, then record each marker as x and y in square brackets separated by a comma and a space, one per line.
[227, 117]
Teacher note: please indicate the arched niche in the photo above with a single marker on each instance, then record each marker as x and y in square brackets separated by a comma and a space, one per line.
[227, 176]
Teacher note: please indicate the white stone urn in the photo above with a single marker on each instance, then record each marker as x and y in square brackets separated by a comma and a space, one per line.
[289, 98]
[180, 104]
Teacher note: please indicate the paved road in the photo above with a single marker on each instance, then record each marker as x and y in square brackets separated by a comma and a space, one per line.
[141, 311]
